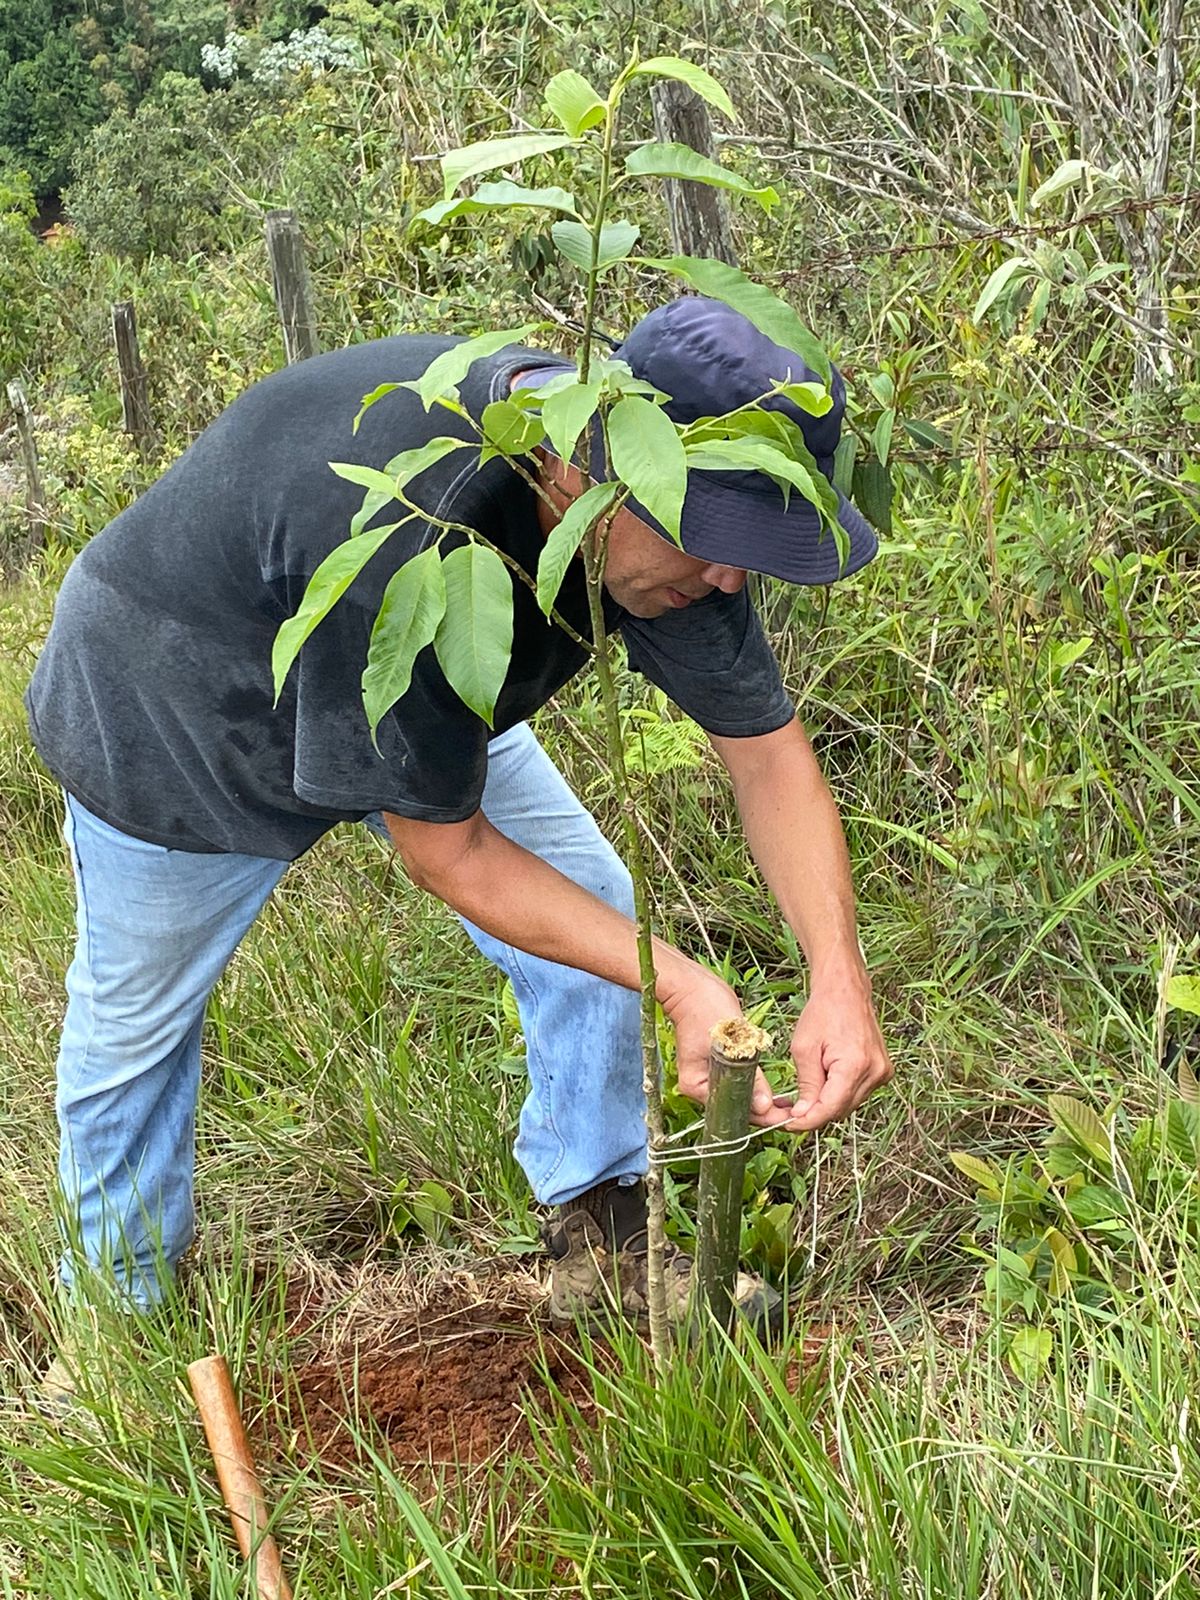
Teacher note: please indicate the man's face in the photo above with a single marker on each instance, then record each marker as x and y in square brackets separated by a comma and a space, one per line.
[646, 574]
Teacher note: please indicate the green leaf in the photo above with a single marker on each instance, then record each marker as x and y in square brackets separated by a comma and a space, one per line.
[1189, 1086]
[813, 398]
[617, 239]
[489, 196]
[574, 241]
[567, 412]
[565, 539]
[1183, 993]
[754, 422]
[760, 455]
[1064, 1265]
[873, 493]
[1182, 1127]
[510, 428]
[1063, 656]
[368, 400]
[474, 638]
[648, 454]
[882, 437]
[398, 474]
[412, 607]
[366, 477]
[1029, 1353]
[681, 161]
[325, 588]
[616, 378]
[575, 103]
[768, 313]
[926, 434]
[1016, 267]
[1094, 1203]
[705, 85]
[488, 154]
[1067, 176]
[444, 372]
[843, 463]
[432, 1208]
[1081, 1125]
[981, 1173]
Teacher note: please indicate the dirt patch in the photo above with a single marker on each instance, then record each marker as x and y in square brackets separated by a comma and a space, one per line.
[443, 1386]
[458, 1401]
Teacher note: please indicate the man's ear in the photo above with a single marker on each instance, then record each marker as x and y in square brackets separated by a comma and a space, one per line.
[560, 477]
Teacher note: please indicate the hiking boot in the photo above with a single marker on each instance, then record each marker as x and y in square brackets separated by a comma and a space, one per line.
[601, 1253]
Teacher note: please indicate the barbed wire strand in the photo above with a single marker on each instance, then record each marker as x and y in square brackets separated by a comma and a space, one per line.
[1013, 230]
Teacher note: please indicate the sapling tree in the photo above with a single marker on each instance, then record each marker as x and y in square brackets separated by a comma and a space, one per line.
[611, 423]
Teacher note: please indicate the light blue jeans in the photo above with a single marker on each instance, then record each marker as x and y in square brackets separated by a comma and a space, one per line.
[156, 928]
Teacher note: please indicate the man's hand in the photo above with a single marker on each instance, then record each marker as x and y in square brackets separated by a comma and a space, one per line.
[796, 838]
[694, 1009]
[839, 1053]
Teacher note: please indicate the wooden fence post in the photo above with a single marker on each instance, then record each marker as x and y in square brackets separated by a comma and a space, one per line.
[135, 399]
[699, 216]
[35, 498]
[293, 291]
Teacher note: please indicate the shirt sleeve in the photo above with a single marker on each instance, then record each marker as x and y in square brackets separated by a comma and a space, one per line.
[432, 758]
[713, 660]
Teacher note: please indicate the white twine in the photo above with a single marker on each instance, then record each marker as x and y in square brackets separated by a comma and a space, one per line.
[718, 1147]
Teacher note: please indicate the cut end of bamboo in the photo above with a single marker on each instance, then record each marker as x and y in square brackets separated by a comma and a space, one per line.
[739, 1040]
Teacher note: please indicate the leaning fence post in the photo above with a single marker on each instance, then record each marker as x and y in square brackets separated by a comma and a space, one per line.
[293, 290]
[135, 399]
[35, 498]
[698, 214]
[736, 1047]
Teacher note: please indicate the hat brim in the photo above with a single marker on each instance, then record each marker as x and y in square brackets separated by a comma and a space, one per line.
[740, 527]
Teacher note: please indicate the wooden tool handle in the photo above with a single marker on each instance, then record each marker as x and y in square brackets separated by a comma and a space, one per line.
[218, 1408]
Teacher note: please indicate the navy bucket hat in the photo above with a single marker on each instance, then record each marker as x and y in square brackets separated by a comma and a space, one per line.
[710, 359]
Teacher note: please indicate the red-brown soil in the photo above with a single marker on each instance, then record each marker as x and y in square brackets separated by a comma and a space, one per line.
[457, 1400]
[446, 1387]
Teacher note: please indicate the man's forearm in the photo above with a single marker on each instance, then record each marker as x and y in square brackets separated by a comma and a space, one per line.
[520, 899]
[795, 836]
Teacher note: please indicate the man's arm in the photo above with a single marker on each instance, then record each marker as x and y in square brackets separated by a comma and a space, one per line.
[520, 899]
[795, 836]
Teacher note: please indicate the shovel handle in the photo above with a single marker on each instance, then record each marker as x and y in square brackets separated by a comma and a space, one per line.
[218, 1408]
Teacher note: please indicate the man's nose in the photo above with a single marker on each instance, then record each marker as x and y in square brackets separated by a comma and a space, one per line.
[728, 579]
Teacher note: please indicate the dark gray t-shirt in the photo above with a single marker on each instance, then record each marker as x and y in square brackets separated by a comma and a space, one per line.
[152, 700]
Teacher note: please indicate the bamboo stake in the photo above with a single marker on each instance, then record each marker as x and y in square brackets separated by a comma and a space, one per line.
[733, 1061]
[218, 1408]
